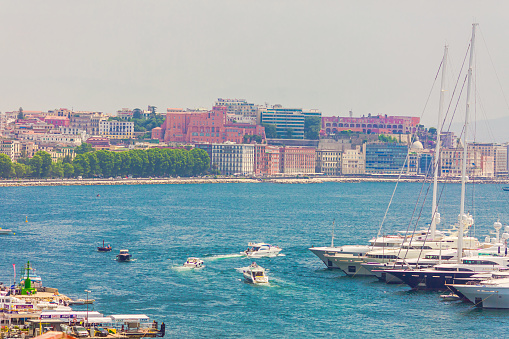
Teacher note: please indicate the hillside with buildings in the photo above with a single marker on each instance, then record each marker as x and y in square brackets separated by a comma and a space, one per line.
[238, 137]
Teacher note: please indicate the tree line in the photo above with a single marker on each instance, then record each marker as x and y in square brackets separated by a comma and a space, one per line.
[93, 164]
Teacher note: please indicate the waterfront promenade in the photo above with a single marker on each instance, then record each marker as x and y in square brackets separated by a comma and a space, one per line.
[226, 180]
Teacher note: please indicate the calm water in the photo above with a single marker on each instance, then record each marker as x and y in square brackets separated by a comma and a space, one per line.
[163, 225]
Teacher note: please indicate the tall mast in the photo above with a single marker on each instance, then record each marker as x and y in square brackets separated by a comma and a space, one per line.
[462, 219]
[434, 209]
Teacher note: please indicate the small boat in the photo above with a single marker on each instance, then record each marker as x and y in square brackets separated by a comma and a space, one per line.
[124, 255]
[449, 297]
[193, 263]
[259, 250]
[104, 248]
[255, 274]
[5, 231]
[505, 188]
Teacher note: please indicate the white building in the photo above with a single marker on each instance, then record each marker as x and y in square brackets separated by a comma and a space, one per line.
[353, 161]
[328, 162]
[116, 129]
[11, 148]
[239, 110]
[233, 158]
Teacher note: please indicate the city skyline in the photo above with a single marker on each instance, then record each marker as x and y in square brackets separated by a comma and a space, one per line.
[330, 56]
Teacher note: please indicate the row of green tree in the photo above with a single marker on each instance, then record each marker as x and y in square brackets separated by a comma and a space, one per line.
[138, 163]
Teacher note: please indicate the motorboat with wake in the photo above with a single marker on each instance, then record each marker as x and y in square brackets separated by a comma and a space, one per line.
[124, 255]
[260, 250]
[193, 263]
[255, 274]
[5, 231]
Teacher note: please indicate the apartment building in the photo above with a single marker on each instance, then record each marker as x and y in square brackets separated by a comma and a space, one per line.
[287, 120]
[297, 160]
[328, 162]
[353, 161]
[116, 129]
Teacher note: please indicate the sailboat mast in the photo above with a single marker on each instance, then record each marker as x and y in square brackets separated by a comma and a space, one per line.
[332, 240]
[462, 217]
[437, 148]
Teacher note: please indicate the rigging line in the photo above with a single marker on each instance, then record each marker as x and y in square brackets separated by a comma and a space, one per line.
[406, 159]
[494, 69]
[454, 92]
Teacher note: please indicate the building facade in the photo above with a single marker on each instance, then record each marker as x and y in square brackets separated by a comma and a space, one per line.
[372, 124]
[353, 161]
[289, 122]
[385, 158]
[239, 110]
[116, 129]
[328, 162]
[185, 126]
[11, 148]
[233, 159]
[297, 160]
[267, 159]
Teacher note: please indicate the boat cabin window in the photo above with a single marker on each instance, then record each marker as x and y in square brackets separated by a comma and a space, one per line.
[437, 257]
[478, 262]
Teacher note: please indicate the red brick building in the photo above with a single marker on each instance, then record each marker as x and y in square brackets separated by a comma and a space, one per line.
[188, 126]
[296, 159]
[266, 160]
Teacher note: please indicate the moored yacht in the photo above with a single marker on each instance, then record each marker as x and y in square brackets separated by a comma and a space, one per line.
[489, 293]
[437, 277]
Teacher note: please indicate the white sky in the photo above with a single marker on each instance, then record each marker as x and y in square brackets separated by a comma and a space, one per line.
[333, 55]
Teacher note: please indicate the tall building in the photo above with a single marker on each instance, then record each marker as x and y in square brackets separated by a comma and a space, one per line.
[372, 124]
[451, 162]
[385, 157]
[287, 120]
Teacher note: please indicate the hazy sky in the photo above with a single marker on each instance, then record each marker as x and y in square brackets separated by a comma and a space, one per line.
[336, 56]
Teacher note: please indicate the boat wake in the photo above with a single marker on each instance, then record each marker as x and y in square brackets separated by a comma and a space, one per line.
[223, 256]
[181, 268]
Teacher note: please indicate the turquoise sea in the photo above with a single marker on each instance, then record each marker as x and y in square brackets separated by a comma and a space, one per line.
[162, 225]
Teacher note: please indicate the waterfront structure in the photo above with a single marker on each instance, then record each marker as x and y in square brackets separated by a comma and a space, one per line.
[377, 124]
[353, 161]
[267, 159]
[233, 159]
[116, 129]
[289, 122]
[385, 157]
[239, 110]
[328, 162]
[202, 126]
[11, 148]
[297, 160]
[451, 160]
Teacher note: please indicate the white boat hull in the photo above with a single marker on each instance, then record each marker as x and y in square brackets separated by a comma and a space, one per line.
[486, 296]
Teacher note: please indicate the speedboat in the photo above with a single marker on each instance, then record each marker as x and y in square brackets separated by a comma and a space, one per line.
[193, 263]
[255, 274]
[104, 248]
[259, 250]
[5, 231]
[124, 255]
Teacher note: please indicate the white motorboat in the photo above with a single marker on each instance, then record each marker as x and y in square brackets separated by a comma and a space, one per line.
[124, 255]
[193, 263]
[255, 274]
[5, 231]
[259, 250]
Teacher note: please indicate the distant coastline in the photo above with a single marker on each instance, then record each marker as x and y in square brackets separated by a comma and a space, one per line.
[219, 180]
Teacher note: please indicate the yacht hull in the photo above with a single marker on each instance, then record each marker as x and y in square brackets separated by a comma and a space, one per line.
[485, 296]
[431, 280]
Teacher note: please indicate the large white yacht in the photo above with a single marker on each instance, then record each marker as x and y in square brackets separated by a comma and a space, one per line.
[489, 293]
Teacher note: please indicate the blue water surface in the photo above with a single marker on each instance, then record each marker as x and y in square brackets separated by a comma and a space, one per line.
[162, 225]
